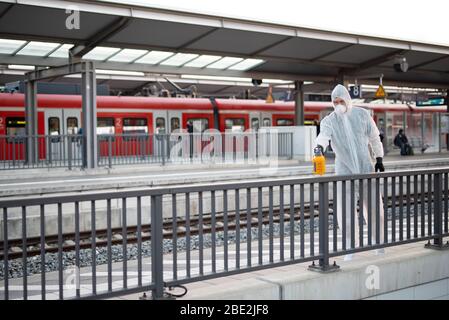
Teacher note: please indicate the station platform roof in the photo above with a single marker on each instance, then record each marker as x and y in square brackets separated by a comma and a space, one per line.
[159, 41]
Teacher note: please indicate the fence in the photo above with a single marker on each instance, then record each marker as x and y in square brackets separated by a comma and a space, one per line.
[192, 148]
[135, 148]
[267, 224]
[52, 151]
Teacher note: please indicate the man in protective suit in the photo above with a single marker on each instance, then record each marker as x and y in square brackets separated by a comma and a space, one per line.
[355, 141]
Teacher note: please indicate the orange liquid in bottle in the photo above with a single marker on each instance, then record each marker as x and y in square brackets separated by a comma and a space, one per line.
[319, 162]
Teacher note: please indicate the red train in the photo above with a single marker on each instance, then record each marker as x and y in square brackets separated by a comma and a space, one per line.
[61, 114]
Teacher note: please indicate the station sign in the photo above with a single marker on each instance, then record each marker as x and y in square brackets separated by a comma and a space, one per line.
[436, 101]
[355, 91]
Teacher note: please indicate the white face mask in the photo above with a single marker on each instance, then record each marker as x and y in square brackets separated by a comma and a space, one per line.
[340, 109]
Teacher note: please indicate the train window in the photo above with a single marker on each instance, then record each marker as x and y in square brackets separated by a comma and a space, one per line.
[174, 123]
[235, 124]
[105, 126]
[255, 123]
[15, 127]
[160, 125]
[53, 126]
[266, 122]
[284, 122]
[199, 124]
[135, 125]
[72, 125]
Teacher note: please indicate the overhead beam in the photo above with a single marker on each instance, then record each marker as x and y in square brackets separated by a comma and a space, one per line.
[233, 54]
[7, 9]
[192, 41]
[43, 74]
[374, 62]
[427, 62]
[331, 52]
[441, 78]
[54, 62]
[80, 50]
[272, 45]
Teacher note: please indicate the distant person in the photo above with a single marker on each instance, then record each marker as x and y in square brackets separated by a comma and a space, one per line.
[401, 141]
[189, 126]
[80, 136]
[381, 130]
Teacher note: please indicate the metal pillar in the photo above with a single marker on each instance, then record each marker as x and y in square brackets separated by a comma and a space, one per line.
[89, 119]
[31, 121]
[299, 103]
[447, 110]
[422, 132]
[89, 108]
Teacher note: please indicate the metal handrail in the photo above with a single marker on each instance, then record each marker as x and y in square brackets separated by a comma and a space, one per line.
[432, 183]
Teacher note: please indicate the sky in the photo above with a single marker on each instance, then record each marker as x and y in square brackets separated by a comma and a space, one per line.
[420, 21]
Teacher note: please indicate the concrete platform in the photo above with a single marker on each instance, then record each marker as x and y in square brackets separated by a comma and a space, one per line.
[404, 272]
[59, 180]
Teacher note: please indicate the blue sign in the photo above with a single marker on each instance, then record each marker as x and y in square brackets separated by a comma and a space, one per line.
[437, 101]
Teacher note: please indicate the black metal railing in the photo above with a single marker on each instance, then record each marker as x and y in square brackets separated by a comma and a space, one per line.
[173, 236]
[135, 148]
[178, 148]
[51, 151]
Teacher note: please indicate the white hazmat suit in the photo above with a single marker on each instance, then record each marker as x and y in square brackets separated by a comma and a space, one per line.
[355, 140]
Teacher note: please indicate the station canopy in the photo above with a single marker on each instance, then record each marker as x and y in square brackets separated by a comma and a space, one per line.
[142, 44]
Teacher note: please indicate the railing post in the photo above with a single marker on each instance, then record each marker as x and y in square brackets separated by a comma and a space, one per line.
[14, 152]
[163, 148]
[110, 151]
[323, 265]
[168, 147]
[50, 151]
[438, 214]
[291, 145]
[69, 153]
[157, 265]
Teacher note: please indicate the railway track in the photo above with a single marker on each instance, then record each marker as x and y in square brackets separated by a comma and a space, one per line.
[117, 235]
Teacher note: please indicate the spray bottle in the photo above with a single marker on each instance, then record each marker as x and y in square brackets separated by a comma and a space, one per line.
[319, 162]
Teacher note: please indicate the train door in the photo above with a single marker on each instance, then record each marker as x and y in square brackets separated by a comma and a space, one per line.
[266, 119]
[174, 120]
[71, 125]
[174, 125]
[58, 124]
[255, 120]
[161, 128]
